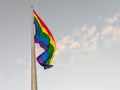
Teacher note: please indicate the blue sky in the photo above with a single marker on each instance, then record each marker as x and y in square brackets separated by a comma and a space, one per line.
[87, 33]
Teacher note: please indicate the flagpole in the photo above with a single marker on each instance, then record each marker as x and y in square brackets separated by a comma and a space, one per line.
[33, 61]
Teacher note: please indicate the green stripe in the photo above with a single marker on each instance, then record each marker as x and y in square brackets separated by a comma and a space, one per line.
[51, 51]
[50, 47]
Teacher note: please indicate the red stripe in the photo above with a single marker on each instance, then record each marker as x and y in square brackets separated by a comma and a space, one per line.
[43, 24]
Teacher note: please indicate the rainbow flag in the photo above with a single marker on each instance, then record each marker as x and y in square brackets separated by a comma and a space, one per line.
[46, 41]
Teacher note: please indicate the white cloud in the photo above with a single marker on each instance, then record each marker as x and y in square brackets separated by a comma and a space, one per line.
[113, 19]
[107, 30]
[78, 39]
[87, 39]
[91, 31]
[94, 41]
[90, 44]
[62, 44]
[74, 44]
[84, 28]
[116, 34]
[110, 34]
[67, 42]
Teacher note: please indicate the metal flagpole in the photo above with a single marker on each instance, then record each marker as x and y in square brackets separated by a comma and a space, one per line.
[33, 61]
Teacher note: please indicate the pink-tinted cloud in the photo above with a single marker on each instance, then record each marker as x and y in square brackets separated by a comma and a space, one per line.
[112, 19]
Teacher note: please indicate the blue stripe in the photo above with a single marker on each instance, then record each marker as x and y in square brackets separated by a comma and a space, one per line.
[45, 56]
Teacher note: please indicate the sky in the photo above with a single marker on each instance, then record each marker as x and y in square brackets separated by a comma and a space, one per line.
[87, 34]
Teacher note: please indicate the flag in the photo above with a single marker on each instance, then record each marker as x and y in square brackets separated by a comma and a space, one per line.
[46, 41]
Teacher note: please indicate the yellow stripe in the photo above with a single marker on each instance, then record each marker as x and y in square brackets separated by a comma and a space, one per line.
[52, 58]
